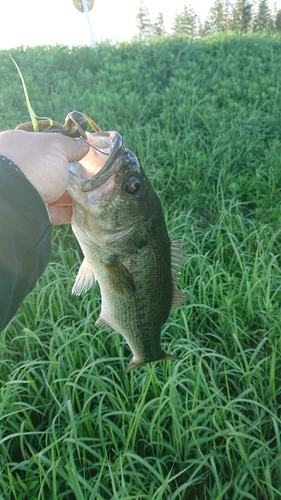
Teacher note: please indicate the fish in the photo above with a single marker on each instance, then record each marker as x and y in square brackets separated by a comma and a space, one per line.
[119, 223]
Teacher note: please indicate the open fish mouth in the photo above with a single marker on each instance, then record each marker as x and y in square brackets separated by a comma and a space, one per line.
[111, 144]
[93, 177]
[106, 143]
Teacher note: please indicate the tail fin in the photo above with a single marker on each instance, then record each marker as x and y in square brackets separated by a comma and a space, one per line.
[133, 364]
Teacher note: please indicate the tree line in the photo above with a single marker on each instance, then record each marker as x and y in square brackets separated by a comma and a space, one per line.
[239, 16]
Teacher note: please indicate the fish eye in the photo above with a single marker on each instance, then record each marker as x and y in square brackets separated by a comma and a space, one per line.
[132, 186]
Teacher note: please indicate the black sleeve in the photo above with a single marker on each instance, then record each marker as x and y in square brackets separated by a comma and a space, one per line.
[25, 238]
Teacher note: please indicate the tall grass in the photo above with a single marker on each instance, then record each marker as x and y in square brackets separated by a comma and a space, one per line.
[204, 119]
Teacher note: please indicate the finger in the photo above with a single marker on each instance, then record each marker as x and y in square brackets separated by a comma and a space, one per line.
[74, 149]
[60, 215]
[64, 201]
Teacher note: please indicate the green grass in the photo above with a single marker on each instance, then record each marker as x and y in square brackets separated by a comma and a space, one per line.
[204, 119]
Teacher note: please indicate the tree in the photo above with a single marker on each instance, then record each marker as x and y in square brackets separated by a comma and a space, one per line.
[219, 18]
[158, 26]
[263, 21]
[242, 15]
[186, 23]
[277, 22]
[143, 22]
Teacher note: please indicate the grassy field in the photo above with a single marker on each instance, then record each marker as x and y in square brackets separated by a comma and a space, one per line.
[205, 120]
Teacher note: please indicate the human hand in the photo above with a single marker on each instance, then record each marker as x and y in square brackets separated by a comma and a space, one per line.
[44, 159]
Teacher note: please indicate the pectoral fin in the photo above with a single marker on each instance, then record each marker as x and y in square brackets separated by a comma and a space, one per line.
[120, 278]
[84, 279]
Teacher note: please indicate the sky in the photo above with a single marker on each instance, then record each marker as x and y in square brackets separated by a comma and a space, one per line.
[51, 22]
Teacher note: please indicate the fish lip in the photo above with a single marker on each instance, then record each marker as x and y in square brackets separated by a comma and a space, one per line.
[110, 165]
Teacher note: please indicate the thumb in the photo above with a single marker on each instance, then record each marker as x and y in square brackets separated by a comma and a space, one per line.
[74, 149]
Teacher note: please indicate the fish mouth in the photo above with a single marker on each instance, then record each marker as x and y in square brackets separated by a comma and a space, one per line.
[112, 143]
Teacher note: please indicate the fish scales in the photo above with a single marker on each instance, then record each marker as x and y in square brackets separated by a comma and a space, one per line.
[122, 232]
[132, 313]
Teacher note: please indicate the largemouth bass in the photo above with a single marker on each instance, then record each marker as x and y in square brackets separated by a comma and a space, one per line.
[119, 223]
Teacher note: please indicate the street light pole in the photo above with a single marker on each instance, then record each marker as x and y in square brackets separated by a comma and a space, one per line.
[86, 6]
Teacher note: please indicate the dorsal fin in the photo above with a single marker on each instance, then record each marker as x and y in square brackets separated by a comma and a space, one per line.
[179, 298]
[178, 259]
[178, 254]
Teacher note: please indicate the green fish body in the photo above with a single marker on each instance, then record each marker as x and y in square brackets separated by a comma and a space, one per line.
[120, 226]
